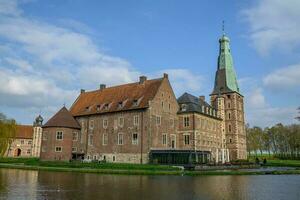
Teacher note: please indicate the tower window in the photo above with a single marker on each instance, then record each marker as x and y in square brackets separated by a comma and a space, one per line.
[186, 121]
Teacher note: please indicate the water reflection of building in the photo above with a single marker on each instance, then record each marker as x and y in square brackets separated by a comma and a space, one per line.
[143, 122]
[27, 141]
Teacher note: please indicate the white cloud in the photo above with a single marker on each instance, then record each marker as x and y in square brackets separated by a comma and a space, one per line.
[19, 90]
[274, 24]
[9, 7]
[284, 79]
[43, 65]
[183, 80]
[256, 99]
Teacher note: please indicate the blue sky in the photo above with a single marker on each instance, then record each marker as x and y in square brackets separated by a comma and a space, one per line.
[49, 50]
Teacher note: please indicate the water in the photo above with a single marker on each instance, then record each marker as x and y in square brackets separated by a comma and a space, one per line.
[25, 184]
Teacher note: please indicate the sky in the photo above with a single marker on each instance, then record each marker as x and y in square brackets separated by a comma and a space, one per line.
[50, 49]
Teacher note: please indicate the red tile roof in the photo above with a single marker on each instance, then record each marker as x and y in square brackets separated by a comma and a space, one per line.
[24, 132]
[62, 118]
[132, 96]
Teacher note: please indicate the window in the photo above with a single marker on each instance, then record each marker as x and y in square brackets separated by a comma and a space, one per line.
[106, 106]
[136, 120]
[22, 141]
[121, 121]
[95, 157]
[82, 127]
[162, 104]
[29, 142]
[186, 121]
[183, 107]
[120, 139]
[105, 139]
[229, 128]
[228, 105]
[158, 120]
[169, 106]
[28, 151]
[91, 124]
[164, 139]
[59, 135]
[230, 140]
[98, 107]
[74, 149]
[186, 139]
[120, 104]
[229, 116]
[202, 109]
[90, 142]
[105, 123]
[87, 108]
[134, 138]
[58, 149]
[75, 136]
[114, 158]
[135, 102]
[172, 122]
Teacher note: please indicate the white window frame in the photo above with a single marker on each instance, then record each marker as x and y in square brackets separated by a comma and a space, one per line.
[184, 139]
[103, 139]
[91, 124]
[105, 123]
[186, 121]
[136, 120]
[120, 139]
[62, 135]
[58, 147]
[164, 139]
[135, 142]
[90, 141]
[74, 149]
[158, 120]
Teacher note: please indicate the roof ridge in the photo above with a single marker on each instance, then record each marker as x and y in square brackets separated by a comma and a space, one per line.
[120, 85]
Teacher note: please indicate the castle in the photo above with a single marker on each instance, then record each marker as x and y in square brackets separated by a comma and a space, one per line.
[143, 122]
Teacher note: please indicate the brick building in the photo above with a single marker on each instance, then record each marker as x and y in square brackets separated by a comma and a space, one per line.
[143, 122]
[27, 141]
[21, 145]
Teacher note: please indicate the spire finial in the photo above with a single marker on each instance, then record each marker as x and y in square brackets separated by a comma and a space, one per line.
[223, 27]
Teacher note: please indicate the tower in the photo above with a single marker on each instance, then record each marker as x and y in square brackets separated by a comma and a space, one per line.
[37, 136]
[229, 102]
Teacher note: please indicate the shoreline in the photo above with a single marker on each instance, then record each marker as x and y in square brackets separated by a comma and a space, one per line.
[146, 172]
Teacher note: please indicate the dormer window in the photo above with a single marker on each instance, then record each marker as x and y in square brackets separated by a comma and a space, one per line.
[135, 102]
[106, 106]
[183, 107]
[120, 104]
[87, 108]
[98, 107]
[202, 109]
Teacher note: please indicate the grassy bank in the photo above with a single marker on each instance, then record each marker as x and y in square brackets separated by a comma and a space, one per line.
[271, 161]
[118, 168]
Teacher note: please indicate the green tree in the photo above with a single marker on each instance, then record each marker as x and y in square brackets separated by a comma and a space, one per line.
[298, 117]
[7, 133]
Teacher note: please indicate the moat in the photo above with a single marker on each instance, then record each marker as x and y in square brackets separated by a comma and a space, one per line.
[27, 184]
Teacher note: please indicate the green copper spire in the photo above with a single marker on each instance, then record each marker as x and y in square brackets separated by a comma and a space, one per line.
[225, 80]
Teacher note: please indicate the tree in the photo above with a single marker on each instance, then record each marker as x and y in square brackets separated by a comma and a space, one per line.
[7, 133]
[298, 117]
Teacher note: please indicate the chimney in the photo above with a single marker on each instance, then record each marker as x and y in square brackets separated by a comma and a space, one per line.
[166, 75]
[102, 86]
[202, 97]
[82, 91]
[142, 79]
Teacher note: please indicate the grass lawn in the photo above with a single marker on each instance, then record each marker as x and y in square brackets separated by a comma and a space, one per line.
[131, 169]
